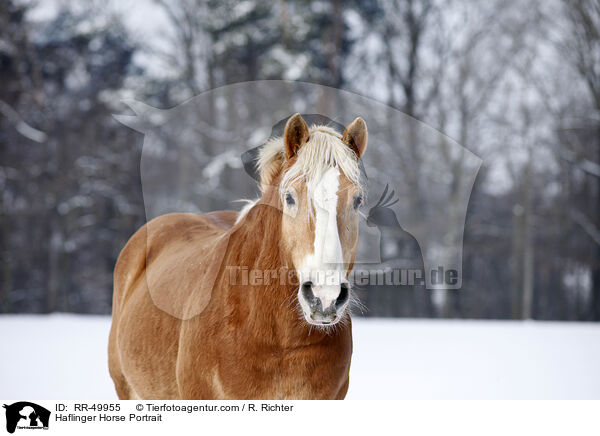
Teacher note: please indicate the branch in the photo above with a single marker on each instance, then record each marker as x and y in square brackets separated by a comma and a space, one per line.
[588, 226]
[22, 127]
[586, 165]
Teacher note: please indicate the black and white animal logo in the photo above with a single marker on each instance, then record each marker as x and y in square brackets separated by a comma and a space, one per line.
[26, 415]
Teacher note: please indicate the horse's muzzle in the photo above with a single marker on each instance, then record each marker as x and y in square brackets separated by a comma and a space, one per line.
[322, 310]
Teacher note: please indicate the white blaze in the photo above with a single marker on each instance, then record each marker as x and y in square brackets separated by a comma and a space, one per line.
[324, 267]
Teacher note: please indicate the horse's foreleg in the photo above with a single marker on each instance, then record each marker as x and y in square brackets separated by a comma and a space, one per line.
[343, 390]
[124, 391]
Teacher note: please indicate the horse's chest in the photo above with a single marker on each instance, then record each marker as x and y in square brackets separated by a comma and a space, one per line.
[311, 372]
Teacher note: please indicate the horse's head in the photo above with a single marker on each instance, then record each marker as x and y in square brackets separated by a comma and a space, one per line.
[317, 179]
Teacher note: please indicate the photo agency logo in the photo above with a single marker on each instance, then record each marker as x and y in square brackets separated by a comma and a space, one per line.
[409, 195]
[25, 415]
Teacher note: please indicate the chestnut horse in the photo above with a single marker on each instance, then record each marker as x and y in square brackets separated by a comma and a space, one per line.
[287, 338]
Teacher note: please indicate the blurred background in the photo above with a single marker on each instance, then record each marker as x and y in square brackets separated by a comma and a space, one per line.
[516, 83]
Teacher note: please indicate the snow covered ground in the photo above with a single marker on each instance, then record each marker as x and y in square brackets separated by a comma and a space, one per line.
[64, 357]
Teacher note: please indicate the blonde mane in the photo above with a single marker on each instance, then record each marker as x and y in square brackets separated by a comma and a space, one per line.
[323, 150]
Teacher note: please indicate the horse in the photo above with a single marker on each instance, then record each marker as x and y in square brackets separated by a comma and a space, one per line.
[288, 338]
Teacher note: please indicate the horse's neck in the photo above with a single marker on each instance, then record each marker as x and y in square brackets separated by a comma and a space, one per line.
[268, 306]
[254, 242]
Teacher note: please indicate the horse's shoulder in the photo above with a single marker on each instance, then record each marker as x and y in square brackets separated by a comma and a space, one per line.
[180, 255]
[174, 230]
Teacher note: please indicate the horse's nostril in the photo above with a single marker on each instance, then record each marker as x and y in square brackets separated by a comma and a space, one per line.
[344, 294]
[309, 296]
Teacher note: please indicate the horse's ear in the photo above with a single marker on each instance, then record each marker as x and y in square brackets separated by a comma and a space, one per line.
[355, 136]
[295, 135]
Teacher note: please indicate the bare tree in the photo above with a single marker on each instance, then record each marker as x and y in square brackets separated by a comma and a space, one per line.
[581, 46]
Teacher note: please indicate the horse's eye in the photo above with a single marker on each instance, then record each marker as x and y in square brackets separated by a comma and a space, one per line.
[289, 199]
[358, 200]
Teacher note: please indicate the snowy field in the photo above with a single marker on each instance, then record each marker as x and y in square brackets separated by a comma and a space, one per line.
[64, 357]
